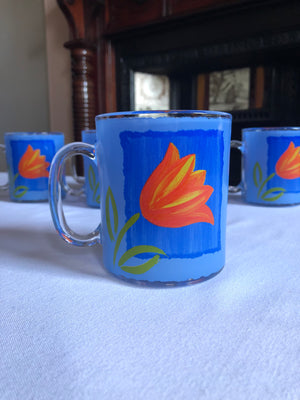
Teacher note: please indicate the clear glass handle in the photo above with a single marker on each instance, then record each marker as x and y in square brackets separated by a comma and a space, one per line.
[235, 144]
[75, 176]
[76, 186]
[55, 197]
[2, 150]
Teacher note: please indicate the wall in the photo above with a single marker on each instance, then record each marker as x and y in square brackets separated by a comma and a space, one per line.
[35, 75]
[23, 73]
[59, 70]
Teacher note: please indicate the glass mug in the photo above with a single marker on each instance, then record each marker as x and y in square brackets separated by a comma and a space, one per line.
[270, 165]
[164, 188]
[28, 157]
[91, 178]
[88, 184]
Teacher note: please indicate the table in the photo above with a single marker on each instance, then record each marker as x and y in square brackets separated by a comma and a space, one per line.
[69, 330]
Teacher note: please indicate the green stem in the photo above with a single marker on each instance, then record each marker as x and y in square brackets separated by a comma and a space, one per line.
[125, 228]
[95, 191]
[264, 183]
[15, 177]
[110, 198]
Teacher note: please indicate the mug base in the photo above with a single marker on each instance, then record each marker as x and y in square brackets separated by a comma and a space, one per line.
[160, 284]
[265, 204]
[29, 200]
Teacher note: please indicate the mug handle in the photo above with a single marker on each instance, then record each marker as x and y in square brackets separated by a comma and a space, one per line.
[75, 176]
[55, 194]
[79, 180]
[235, 144]
[5, 186]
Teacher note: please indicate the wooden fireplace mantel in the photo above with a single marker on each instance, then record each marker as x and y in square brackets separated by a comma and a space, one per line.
[110, 40]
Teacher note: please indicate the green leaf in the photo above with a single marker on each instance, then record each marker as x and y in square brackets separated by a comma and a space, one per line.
[92, 177]
[264, 183]
[140, 269]
[110, 199]
[20, 191]
[272, 190]
[95, 191]
[122, 232]
[139, 250]
[98, 199]
[257, 171]
[15, 177]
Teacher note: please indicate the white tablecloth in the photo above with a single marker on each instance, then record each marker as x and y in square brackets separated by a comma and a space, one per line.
[71, 331]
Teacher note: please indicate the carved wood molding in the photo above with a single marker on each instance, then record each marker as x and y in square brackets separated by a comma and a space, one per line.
[81, 17]
[203, 54]
[204, 58]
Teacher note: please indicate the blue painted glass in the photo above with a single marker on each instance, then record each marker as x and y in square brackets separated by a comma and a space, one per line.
[271, 165]
[163, 194]
[189, 142]
[29, 155]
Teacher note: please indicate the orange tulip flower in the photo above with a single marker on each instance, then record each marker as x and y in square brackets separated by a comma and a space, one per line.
[174, 194]
[288, 165]
[32, 165]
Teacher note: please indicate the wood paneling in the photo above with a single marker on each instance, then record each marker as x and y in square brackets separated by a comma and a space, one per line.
[122, 14]
[176, 7]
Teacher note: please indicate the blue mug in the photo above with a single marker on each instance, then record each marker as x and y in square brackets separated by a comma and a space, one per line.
[28, 157]
[163, 194]
[270, 165]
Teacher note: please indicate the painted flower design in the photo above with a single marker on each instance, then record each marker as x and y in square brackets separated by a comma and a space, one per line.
[288, 165]
[32, 165]
[175, 195]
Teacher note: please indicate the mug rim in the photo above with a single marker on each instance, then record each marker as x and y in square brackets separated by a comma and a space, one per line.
[88, 131]
[22, 133]
[269, 129]
[165, 113]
